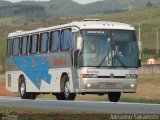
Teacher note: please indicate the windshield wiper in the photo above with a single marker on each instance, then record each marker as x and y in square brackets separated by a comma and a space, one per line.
[121, 62]
[99, 65]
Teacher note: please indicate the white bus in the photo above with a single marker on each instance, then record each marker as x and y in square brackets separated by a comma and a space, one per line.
[74, 58]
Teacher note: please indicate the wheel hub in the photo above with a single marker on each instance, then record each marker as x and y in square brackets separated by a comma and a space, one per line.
[22, 89]
[67, 88]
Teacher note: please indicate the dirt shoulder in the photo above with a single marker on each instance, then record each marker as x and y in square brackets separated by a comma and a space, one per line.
[3, 90]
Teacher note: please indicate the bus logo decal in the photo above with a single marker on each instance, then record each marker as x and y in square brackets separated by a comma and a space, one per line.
[111, 75]
[36, 73]
[59, 61]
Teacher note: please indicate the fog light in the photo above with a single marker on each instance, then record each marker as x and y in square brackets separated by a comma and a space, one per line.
[88, 85]
[132, 85]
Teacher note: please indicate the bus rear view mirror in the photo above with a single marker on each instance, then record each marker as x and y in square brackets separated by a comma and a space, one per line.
[79, 43]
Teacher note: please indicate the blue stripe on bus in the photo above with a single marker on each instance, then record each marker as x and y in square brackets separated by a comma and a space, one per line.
[35, 68]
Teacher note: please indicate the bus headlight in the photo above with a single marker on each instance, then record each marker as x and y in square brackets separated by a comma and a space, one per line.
[132, 85]
[131, 76]
[89, 75]
[88, 85]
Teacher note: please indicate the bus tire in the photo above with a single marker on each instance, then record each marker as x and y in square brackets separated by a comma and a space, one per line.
[114, 96]
[59, 96]
[66, 94]
[22, 89]
[33, 96]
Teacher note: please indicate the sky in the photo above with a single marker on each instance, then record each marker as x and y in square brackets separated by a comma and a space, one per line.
[79, 1]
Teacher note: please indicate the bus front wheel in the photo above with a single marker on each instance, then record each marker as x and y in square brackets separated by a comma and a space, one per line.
[114, 96]
[22, 90]
[66, 94]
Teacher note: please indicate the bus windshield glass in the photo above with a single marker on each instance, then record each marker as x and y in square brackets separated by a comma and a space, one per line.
[108, 48]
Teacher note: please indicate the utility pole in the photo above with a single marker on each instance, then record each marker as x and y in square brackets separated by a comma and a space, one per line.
[139, 32]
[157, 42]
[139, 41]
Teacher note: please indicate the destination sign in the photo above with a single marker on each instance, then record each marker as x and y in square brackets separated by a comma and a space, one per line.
[95, 32]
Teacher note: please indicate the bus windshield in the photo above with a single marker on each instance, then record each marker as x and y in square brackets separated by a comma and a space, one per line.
[108, 48]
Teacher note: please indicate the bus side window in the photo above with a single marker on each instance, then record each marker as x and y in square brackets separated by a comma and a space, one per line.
[66, 39]
[9, 47]
[44, 42]
[24, 45]
[54, 44]
[34, 44]
[15, 46]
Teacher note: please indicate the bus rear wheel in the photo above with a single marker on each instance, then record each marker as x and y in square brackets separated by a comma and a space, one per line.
[114, 96]
[22, 90]
[66, 94]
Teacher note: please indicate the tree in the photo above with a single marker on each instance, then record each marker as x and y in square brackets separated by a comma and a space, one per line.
[149, 4]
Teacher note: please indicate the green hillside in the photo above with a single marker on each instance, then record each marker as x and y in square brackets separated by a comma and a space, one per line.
[5, 3]
[23, 10]
[70, 8]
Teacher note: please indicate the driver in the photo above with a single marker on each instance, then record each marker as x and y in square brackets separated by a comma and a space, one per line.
[117, 51]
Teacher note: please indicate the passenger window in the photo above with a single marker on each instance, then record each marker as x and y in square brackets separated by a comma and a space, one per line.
[24, 42]
[54, 41]
[16, 46]
[34, 44]
[9, 47]
[66, 39]
[44, 42]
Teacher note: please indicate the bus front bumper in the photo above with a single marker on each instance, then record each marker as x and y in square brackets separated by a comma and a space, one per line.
[108, 85]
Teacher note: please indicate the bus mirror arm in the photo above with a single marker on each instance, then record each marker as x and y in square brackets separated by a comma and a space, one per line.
[139, 63]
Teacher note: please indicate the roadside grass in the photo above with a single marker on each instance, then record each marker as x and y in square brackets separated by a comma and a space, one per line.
[38, 114]
[6, 21]
[131, 16]
[140, 100]
[148, 90]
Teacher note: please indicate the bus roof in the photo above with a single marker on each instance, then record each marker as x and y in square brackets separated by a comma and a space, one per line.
[85, 24]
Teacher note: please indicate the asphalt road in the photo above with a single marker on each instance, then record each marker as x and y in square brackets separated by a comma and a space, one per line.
[81, 105]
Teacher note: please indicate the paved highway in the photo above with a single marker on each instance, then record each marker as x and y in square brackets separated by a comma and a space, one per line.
[81, 105]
